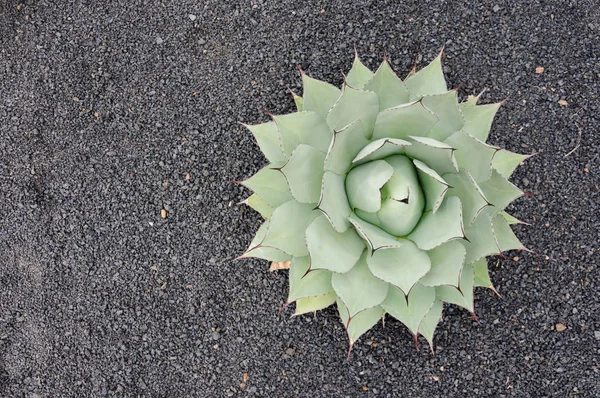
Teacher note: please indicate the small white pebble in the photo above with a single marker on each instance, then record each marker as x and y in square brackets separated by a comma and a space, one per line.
[192, 17]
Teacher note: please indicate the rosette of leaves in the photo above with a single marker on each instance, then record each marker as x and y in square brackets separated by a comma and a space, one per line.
[385, 197]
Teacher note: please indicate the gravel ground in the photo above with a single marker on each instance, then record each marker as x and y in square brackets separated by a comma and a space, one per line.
[111, 111]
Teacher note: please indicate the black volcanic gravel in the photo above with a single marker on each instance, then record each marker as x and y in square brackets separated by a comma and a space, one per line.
[106, 106]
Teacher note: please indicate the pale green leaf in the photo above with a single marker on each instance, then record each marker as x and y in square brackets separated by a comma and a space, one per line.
[375, 237]
[462, 296]
[435, 154]
[259, 204]
[399, 218]
[472, 100]
[499, 191]
[445, 107]
[318, 96]
[331, 250]
[358, 288]
[287, 226]
[434, 187]
[307, 284]
[402, 267]
[505, 162]
[505, 237]
[359, 75]
[429, 80]
[447, 261]
[412, 309]
[364, 182]
[346, 144]
[257, 250]
[440, 227]
[267, 138]
[313, 304]
[404, 201]
[478, 120]
[303, 128]
[334, 202]
[354, 105]
[389, 88]
[304, 173]
[466, 189]
[298, 101]
[481, 241]
[430, 322]
[482, 275]
[380, 149]
[411, 119]
[473, 155]
[270, 185]
[511, 220]
[360, 323]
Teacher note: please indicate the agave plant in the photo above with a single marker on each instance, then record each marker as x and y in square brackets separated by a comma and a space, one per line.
[384, 196]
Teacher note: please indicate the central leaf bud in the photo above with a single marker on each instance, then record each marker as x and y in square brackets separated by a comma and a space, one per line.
[387, 193]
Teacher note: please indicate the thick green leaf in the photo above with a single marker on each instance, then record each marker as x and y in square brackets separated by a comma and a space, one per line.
[445, 107]
[429, 80]
[346, 144]
[472, 101]
[318, 96]
[368, 217]
[364, 182]
[399, 218]
[462, 297]
[411, 119]
[482, 275]
[375, 237]
[257, 250]
[402, 267]
[473, 155]
[287, 226]
[505, 237]
[359, 75]
[389, 88]
[258, 204]
[511, 220]
[430, 322]
[412, 309]
[466, 189]
[380, 149]
[446, 264]
[298, 101]
[404, 201]
[313, 304]
[304, 173]
[270, 185]
[434, 187]
[358, 288]
[481, 241]
[505, 162]
[360, 323]
[478, 120]
[307, 284]
[267, 138]
[435, 154]
[440, 227]
[330, 249]
[499, 191]
[354, 105]
[334, 202]
[303, 128]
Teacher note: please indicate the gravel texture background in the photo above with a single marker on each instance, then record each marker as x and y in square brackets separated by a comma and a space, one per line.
[106, 106]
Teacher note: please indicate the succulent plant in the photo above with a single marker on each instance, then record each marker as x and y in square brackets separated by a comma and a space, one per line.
[384, 196]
